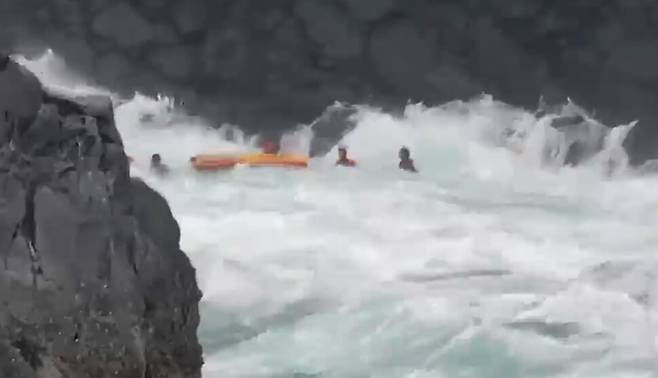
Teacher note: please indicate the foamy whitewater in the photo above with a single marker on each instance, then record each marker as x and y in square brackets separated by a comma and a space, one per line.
[493, 261]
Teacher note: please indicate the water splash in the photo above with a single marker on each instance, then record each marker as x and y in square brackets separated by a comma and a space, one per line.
[495, 260]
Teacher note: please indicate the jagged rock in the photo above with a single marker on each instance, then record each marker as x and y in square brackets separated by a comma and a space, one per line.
[267, 19]
[401, 56]
[225, 53]
[492, 51]
[370, 10]
[610, 34]
[92, 277]
[520, 9]
[155, 4]
[453, 83]
[165, 34]
[330, 127]
[287, 35]
[176, 62]
[582, 138]
[78, 52]
[98, 5]
[17, 108]
[599, 53]
[567, 121]
[330, 29]
[114, 67]
[70, 15]
[124, 25]
[12, 211]
[649, 167]
[190, 16]
[638, 59]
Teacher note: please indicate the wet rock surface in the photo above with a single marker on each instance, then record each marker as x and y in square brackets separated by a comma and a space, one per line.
[271, 65]
[92, 279]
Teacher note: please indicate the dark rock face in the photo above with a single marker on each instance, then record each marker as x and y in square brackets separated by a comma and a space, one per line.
[92, 280]
[402, 57]
[268, 65]
[121, 24]
[330, 127]
[332, 31]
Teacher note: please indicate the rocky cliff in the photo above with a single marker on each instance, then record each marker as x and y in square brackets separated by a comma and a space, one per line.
[270, 64]
[92, 280]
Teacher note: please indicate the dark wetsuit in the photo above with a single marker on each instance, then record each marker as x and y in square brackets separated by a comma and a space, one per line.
[346, 162]
[407, 165]
[160, 169]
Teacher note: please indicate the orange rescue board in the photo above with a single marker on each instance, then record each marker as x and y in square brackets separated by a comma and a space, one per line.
[213, 162]
[218, 162]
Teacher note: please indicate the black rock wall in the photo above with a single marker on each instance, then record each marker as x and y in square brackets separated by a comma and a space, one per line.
[92, 280]
[270, 64]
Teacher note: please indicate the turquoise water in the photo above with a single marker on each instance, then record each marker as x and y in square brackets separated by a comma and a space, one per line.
[493, 261]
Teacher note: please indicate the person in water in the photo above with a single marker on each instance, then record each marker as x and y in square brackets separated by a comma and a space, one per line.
[158, 166]
[343, 159]
[406, 162]
[270, 148]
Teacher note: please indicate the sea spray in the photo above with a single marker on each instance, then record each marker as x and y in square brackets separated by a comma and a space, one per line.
[494, 260]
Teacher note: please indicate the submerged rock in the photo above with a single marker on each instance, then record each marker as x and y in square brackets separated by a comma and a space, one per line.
[330, 128]
[92, 278]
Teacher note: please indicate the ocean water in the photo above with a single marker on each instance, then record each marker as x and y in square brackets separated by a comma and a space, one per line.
[493, 261]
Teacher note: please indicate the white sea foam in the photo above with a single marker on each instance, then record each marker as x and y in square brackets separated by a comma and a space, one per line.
[493, 261]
